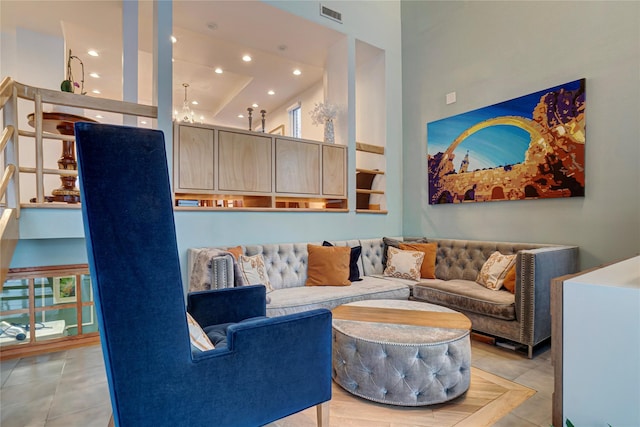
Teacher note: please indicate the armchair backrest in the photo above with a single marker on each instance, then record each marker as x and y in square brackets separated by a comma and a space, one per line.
[133, 259]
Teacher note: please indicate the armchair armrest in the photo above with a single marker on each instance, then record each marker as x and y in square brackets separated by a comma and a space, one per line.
[273, 366]
[228, 305]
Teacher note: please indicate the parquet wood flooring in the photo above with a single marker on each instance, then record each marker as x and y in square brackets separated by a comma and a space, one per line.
[488, 399]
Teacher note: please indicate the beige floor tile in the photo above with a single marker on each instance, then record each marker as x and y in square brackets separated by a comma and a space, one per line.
[93, 417]
[536, 410]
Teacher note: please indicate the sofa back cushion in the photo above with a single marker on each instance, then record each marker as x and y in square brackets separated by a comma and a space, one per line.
[286, 263]
[371, 257]
[463, 259]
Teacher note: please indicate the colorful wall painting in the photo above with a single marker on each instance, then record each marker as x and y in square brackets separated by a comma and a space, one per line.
[531, 147]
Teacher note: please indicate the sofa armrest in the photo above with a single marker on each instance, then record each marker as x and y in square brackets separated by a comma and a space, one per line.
[536, 268]
[227, 305]
[209, 271]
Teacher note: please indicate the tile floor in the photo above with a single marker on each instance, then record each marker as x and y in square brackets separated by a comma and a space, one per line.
[69, 388]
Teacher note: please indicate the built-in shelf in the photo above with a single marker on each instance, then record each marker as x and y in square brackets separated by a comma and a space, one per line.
[220, 168]
[366, 181]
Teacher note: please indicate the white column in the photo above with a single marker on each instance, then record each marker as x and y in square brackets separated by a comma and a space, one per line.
[163, 71]
[130, 56]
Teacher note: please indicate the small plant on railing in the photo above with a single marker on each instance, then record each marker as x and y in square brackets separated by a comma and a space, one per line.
[70, 85]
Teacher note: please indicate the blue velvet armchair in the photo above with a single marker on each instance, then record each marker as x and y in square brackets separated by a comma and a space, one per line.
[268, 368]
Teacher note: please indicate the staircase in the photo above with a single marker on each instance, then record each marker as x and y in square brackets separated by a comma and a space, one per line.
[9, 194]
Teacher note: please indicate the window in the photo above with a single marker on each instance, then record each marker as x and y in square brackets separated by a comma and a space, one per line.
[295, 120]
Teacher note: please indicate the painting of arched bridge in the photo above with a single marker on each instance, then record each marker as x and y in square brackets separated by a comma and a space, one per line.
[530, 147]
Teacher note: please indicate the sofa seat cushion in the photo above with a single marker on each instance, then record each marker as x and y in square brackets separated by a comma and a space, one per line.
[218, 333]
[294, 300]
[467, 295]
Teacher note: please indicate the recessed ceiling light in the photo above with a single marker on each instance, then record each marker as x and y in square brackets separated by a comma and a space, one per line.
[297, 72]
[96, 91]
[173, 39]
[201, 117]
[173, 60]
[143, 122]
[95, 75]
[194, 102]
[92, 52]
[218, 70]
[254, 105]
[241, 116]
[246, 58]
[271, 92]
[98, 116]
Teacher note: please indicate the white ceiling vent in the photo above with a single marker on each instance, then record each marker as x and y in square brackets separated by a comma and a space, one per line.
[330, 13]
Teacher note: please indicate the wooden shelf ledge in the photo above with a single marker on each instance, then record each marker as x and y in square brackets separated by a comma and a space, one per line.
[369, 148]
[363, 191]
[371, 171]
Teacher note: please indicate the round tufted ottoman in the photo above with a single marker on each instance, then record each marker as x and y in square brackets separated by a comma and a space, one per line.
[398, 352]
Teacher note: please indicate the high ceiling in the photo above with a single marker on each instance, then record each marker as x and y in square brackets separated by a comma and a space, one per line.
[209, 34]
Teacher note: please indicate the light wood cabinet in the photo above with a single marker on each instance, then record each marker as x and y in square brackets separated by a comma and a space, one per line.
[297, 167]
[244, 162]
[334, 170]
[219, 167]
[194, 159]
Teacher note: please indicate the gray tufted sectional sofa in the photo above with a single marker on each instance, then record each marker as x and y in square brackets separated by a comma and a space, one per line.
[522, 317]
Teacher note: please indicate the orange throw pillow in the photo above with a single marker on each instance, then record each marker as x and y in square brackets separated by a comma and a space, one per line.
[428, 269]
[328, 265]
[510, 280]
[236, 252]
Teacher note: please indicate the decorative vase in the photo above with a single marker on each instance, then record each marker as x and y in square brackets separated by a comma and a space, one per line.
[329, 136]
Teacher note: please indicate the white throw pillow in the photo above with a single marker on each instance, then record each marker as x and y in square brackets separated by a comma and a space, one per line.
[495, 270]
[254, 272]
[199, 340]
[403, 264]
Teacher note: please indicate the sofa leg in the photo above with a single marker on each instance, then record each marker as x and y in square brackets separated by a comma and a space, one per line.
[530, 352]
[323, 414]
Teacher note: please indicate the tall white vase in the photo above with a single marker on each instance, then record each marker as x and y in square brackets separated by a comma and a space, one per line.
[329, 136]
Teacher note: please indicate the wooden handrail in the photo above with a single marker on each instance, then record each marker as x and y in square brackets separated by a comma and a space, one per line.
[7, 133]
[6, 87]
[49, 96]
[6, 177]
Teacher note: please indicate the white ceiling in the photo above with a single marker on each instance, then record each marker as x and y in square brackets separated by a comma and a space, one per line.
[210, 34]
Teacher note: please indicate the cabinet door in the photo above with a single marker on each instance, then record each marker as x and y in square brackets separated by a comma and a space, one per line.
[244, 162]
[195, 159]
[297, 167]
[333, 170]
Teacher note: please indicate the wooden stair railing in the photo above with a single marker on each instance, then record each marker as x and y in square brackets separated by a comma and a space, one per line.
[10, 91]
[9, 194]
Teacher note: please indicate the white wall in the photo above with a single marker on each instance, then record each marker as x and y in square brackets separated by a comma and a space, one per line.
[490, 52]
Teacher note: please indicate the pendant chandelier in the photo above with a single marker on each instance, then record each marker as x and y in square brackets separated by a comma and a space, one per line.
[186, 115]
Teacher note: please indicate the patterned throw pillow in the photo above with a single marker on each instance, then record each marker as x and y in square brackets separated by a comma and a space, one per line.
[199, 340]
[254, 271]
[428, 269]
[494, 270]
[403, 264]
